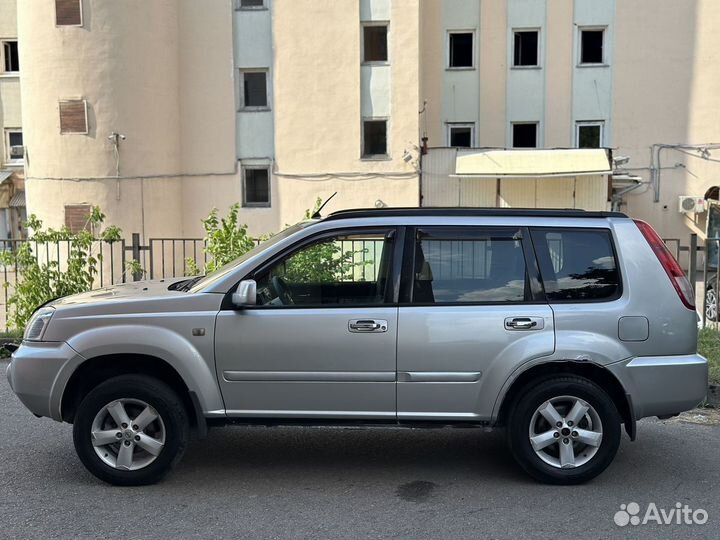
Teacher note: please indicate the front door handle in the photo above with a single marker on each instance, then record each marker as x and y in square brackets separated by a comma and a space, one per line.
[524, 323]
[364, 326]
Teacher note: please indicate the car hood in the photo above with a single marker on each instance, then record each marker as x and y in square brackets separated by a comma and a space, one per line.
[126, 291]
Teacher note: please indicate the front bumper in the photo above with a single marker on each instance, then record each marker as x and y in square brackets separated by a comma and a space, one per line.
[663, 385]
[36, 375]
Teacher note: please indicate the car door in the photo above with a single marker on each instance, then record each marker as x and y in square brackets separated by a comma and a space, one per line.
[472, 309]
[321, 341]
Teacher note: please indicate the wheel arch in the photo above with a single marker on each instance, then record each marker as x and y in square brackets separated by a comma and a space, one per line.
[591, 371]
[95, 371]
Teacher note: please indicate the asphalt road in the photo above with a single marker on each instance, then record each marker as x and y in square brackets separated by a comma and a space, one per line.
[349, 483]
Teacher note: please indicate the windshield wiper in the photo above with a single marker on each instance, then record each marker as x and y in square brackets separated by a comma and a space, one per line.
[184, 285]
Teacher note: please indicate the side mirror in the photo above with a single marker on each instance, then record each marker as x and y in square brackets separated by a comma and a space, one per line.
[245, 294]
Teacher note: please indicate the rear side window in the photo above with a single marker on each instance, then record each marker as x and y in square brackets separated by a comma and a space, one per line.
[577, 265]
[469, 266]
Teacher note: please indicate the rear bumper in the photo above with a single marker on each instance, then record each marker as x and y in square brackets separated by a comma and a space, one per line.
[35, 375]
[663, 385]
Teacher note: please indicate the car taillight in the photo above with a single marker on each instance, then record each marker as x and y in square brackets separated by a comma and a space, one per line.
[670, 265]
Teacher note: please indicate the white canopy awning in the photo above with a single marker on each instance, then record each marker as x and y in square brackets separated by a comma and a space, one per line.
[532, 163]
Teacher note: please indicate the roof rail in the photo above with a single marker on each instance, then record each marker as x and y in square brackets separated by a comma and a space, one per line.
[470, 212]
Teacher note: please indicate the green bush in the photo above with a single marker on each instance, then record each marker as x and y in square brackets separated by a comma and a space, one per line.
[709, 347]
[40, 280]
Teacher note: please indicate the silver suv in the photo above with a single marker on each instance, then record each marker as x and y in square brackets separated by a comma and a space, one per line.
[559, 325]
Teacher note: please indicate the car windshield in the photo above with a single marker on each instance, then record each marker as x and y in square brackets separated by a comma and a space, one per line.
[221, 272]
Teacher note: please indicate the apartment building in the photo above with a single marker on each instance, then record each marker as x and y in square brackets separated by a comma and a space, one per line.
[12, 195]
[160, 110]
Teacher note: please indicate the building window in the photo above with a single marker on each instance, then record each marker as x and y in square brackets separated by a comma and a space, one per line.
[73, 116]
[68, 12]
[524, 135]
[461, 50]
[592, 48]
[589, 135]
[77, 217]
[375, 43]
[250, 4]
[525, 48]
[256, 186]
[461, 135]
[10, 56]
[254, 93]
[374, 138]
[15, 149]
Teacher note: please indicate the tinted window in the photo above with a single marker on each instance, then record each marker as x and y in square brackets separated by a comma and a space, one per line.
[469, 266]
[375, 44]
[577, 264]
[347, 270]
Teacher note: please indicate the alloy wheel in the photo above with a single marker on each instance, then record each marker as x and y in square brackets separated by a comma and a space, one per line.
[128, 434]
[565, 432]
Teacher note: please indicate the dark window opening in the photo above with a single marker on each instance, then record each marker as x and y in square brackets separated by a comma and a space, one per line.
[374, 138]
[257, 187]
[252, 3]
[473, 268]
[12, 60]
[375, 46]
[524, 136]
[17, 149]
[461, 136]
[591, 46]
[255, 89]
[461, 50]
[526, 48]
[577, 265]
[590, 136]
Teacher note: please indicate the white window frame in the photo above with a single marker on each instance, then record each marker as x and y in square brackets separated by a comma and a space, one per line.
[240, 7]
[537, 134]
[9, 160]
[449, 33]
[268, 93]
[82, 17]
[451, 125]
[538, 65]
[582, 29]
[256, 166]
[364, 62]
[375, 157]
[590, 123]
[2, 58]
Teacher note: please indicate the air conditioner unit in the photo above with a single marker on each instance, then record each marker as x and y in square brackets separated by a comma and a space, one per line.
[17, 152]
[688, 204]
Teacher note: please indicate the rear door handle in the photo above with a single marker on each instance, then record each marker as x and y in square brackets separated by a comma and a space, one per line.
[524, 323]
[365, 326]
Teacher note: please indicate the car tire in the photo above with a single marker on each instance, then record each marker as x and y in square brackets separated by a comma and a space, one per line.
[579, 443]
[141, 453]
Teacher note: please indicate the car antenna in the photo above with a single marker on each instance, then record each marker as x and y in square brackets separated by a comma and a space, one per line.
[317, 215]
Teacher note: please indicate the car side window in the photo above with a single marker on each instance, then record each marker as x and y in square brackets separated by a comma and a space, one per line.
[577, 264]
[469, 265]
[350, 269]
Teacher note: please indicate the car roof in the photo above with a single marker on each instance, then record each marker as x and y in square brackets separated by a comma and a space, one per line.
[468, 212]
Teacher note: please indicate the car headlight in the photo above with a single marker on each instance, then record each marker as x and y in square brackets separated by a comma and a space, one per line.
[38, 323]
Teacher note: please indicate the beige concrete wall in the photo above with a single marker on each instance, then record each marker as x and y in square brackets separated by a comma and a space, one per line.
[666, 91]
[493, 73]
[559, 64]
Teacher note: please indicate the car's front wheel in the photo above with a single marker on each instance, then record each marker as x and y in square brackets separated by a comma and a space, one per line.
[710, 304]
[130, 430]
[564, 430]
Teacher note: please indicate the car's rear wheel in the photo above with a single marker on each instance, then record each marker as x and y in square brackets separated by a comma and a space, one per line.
[564, 430]
[130, 430]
